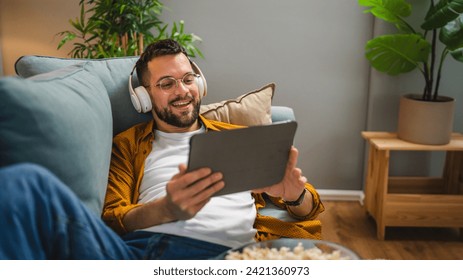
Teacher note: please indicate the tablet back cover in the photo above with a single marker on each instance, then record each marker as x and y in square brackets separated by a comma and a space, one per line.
[249, 158]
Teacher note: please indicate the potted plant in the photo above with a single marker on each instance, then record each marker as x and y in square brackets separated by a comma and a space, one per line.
[113, 28]
[418, 49]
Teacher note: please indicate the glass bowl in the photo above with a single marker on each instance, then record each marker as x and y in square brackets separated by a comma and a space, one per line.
[291, 249]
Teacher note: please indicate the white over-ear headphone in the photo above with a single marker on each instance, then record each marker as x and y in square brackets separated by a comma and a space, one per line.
[141, 99]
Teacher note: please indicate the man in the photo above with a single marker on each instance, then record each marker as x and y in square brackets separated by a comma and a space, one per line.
[149, 187]
[159, 210]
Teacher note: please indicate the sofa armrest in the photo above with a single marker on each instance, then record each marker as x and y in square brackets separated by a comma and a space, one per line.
[282, 113]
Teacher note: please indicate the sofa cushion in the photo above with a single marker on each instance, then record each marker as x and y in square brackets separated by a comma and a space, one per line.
[252, 108]
[62, 121]
[282, 113]
[113, 72]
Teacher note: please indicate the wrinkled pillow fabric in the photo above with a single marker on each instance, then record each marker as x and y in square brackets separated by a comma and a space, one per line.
[62, 121]
[113, 72]
[253, 108]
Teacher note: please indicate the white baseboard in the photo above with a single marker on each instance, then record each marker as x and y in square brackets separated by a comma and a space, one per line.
[341, 195]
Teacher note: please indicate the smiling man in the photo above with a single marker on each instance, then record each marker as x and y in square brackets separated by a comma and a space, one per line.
[176, 108]
[157, 208]
[149, 189]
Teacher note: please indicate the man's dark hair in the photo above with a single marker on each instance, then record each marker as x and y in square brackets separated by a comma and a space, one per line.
[156, 49]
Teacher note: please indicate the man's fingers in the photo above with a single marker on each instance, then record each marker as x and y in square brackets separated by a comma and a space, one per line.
[182, 168]
[206, 193]
[187, 179]
[292, 159]
[206, 187]
[181, 171]
[185, 188]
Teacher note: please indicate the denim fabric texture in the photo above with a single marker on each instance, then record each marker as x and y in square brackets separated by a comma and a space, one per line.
[41, 218]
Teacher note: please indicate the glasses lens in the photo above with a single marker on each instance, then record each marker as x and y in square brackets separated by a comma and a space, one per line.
[189, 79]
[167, 83]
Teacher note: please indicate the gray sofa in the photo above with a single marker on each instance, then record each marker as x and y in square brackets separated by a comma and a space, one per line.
[63, 113]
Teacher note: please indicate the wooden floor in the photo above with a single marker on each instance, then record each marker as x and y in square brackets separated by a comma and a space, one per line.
[346, 223]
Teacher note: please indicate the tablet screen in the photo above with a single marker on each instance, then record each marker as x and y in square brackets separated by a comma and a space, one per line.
[249, 158]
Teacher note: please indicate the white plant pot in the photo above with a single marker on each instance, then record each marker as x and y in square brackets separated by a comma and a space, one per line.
[425, 122]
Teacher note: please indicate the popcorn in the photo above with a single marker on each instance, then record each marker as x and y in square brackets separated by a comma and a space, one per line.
[284, 253]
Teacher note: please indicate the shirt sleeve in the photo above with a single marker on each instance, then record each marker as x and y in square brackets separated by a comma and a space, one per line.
[317, 204]
[121, 186]
[269, 227]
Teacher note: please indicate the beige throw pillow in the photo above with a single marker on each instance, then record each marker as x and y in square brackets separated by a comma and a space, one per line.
[253, 108]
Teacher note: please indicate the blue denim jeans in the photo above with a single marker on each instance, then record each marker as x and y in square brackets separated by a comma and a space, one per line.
[41, 218]
[161, 246]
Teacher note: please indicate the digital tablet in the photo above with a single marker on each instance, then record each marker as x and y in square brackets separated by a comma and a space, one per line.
[249, 158]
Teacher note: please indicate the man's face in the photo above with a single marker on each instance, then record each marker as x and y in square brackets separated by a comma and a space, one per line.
[177, 109]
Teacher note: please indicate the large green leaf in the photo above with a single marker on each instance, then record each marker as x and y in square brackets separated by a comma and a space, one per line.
[393, 11]
[457, 54]
[398, 53]
[388, 10]
[442, 13]
[451, 35]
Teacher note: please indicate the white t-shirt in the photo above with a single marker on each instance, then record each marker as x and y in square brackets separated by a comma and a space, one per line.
[227, 220]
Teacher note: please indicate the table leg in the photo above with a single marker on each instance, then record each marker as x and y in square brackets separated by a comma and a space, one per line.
[453, 172]
[382, 161]
[369, 182]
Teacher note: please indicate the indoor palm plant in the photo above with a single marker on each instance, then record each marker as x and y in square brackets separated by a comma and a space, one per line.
[410, 49]
[113, 28]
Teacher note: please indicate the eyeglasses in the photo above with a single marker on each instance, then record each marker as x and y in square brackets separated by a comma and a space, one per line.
[168, 84]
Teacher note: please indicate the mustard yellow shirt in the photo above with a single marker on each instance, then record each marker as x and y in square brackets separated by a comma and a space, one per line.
[130, 149]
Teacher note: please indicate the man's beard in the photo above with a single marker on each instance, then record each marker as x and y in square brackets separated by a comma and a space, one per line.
[184, 120]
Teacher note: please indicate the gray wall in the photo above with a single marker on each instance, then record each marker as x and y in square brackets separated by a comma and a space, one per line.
[314, 52]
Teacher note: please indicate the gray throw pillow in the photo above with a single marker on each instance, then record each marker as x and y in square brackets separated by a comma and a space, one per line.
[62, 121]
[113, 72]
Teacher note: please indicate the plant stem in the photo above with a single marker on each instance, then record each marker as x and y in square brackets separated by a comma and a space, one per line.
[427, 88]
[140, 43]
[439, 70]
[433, 61]
[429, 72]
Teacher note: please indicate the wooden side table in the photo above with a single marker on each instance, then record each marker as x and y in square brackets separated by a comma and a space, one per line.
[413, 201]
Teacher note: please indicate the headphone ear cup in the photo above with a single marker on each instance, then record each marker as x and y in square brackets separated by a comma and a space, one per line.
[133, 95]
[201, 87]
[135, 102]
[201, 81]
[140, 97]
[143, 99]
